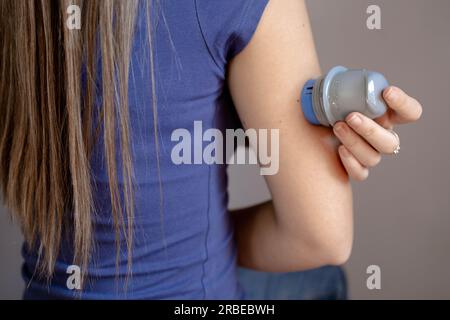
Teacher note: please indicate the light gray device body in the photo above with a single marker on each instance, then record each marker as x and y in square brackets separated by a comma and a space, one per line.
[341, 91]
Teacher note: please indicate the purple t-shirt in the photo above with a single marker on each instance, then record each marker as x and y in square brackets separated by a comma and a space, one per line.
[185, 249]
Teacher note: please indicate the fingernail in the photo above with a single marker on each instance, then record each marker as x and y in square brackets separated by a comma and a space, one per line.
[355, 120]
[391, 94]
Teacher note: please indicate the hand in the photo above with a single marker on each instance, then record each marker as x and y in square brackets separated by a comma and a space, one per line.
[364, 140]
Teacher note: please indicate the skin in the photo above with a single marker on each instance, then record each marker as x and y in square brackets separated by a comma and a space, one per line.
[309, 222]
[364, 140]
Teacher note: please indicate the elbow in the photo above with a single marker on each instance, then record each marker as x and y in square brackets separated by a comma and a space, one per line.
[326, 250]
[334, 250]
[333, 240]
[338, 254]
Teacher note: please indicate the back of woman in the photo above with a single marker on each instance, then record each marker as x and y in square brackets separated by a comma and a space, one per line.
[183, 242]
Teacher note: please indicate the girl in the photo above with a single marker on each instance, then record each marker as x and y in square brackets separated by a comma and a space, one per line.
[86, 122]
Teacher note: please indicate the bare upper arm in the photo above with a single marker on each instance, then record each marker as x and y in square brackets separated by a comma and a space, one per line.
[265, 82]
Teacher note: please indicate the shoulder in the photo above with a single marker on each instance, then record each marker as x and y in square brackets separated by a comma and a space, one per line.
[227, 26]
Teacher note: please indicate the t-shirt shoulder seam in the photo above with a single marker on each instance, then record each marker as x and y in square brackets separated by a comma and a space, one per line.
[241, 22]
[205, 39]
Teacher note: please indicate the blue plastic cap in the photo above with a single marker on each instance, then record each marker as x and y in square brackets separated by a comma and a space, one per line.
[307, 102]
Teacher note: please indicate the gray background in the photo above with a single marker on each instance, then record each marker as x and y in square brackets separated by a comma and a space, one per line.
[402, 213]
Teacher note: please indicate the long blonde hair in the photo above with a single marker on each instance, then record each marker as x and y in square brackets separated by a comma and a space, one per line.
[46, 119]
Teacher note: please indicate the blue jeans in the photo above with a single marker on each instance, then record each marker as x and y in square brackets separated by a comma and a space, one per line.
[327, 283]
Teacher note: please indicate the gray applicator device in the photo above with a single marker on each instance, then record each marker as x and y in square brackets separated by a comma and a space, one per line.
[341, 91]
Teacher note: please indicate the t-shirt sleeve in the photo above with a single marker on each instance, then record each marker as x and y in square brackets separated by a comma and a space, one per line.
[227, 26]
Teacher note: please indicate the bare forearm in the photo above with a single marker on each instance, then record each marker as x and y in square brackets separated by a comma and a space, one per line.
[264, 244]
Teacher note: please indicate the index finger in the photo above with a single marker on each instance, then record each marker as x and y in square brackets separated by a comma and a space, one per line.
[406, 108]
